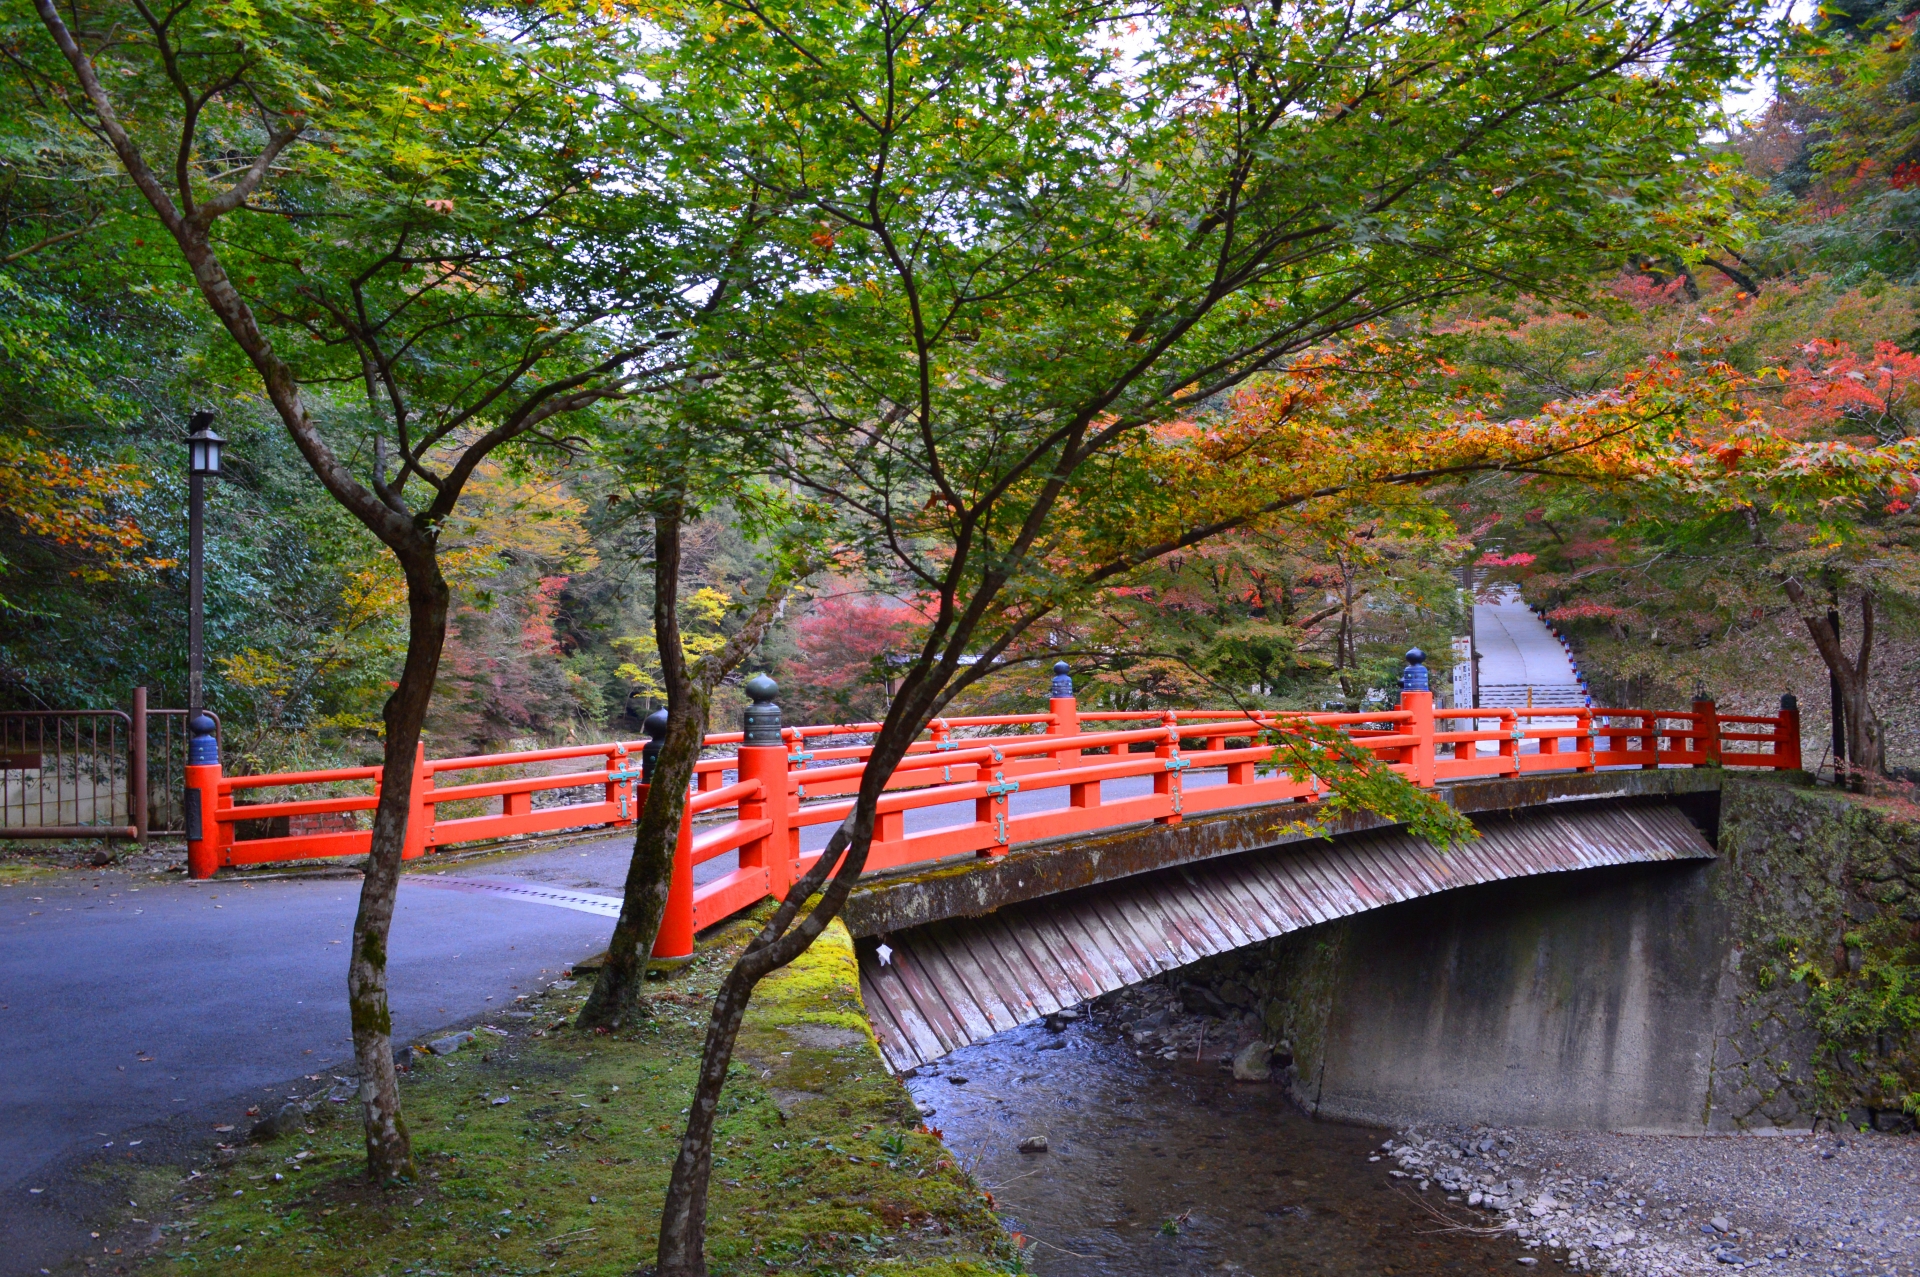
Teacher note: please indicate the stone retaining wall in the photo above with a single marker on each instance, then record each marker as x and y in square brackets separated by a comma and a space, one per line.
[1823, 892]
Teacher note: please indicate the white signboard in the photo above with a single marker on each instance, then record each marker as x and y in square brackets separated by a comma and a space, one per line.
[1462, 671]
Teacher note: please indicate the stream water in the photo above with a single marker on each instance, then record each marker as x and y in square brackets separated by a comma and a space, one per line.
[1171, 1167]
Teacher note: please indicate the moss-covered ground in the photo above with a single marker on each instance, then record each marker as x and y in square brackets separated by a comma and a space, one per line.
[546, 1150]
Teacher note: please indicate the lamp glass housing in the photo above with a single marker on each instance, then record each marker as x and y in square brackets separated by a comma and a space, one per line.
[203, 452]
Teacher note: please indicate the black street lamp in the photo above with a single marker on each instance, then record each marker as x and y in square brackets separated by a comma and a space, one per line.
[203, 459]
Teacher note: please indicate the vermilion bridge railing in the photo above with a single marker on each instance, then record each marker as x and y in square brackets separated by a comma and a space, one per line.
[758, 798]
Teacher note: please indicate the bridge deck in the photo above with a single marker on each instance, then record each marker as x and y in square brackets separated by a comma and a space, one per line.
[959, 979]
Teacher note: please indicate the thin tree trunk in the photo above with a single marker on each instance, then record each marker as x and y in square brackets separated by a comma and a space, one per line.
[389, 1149]
[683, 1220]
[1343, 641]
[1862, 768]
[1836, 698]
[615, 1000]
[1863, 726]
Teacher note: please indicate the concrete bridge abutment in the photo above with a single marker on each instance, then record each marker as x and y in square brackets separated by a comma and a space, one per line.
[1587, 1000]
[1673, 997]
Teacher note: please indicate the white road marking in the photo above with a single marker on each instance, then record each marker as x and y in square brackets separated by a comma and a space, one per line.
[530, 892]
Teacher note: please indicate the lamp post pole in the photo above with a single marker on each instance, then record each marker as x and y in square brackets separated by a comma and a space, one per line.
[203, 459]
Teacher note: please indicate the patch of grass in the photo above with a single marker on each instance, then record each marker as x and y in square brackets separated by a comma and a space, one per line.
[547, 1151]
[24, 871]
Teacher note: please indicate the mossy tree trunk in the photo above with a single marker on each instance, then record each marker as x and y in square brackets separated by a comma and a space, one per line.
[389, 1149]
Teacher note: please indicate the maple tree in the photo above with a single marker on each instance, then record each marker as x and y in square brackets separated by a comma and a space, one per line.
[1778, 484]
[393, 200]
[1311, 608]
[1037, 256]
[844, 647]
[74, 506]
[1840, 148]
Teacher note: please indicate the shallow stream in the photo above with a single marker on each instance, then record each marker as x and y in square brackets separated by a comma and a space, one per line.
[1171, 1167]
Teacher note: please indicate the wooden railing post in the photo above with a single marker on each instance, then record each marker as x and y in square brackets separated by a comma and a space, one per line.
[203, 797]
[1416, 698]
[620, 784]
[1586, 743]
[1650, 740]
[991, 809]
[421, 811]
[1066, 712]
[796, 794]
[1786, 735]
[1166, 782]
[763, 757]
[1706, 726]
[1616, 741]
[675, 937]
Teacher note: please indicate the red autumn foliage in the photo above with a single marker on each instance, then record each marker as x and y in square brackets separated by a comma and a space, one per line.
[839, 674]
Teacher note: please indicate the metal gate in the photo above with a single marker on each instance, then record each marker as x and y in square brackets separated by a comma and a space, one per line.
[93, 773]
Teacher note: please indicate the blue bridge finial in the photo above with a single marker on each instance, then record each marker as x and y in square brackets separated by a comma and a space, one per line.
[203, 746]
[1062, 681]
[763, 716]
[1414, 677]
[655, 726]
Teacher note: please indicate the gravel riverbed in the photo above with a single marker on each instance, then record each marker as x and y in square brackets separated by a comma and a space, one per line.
[1833, 1204]
[1828, 1204]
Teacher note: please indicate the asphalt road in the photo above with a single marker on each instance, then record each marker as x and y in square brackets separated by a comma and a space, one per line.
[138, 1011]
[146, 1008]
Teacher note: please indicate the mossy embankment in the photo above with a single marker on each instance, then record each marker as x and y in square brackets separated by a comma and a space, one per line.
[546, 1150]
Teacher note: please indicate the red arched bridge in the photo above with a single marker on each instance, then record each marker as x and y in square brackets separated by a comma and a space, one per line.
[994, 828]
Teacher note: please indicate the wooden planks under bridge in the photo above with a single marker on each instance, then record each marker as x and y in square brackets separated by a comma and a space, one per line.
[962, 977]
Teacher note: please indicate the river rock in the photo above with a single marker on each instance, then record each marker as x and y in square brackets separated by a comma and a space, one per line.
[449, 1044]
[1201, 1000]
[284, 1120]
[1034, 1144]
[1253, 1062]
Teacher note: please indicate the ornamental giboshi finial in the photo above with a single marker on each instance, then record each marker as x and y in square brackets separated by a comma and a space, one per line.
[655, 726]
[1062, 681]
[762, 720]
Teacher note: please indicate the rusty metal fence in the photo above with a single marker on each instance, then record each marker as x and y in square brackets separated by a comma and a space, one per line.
[93, 773]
